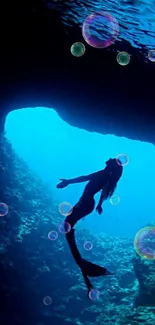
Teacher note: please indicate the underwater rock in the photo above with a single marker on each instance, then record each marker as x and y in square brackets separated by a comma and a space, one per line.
[145, 273]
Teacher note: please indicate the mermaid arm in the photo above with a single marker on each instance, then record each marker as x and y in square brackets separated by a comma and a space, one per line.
[81, 179]
[66, 182]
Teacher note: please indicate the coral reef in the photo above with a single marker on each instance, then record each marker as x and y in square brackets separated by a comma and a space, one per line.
[33, 267]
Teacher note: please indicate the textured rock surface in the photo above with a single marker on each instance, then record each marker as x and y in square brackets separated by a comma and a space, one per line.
[145, 271]
[32, 266]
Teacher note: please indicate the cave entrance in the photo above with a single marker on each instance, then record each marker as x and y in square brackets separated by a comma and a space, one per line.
[55, 149]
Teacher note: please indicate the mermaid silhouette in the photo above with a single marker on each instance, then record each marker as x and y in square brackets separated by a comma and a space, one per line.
[105, 181]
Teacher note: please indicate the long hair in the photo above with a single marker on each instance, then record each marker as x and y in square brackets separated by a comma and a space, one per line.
[114, 171]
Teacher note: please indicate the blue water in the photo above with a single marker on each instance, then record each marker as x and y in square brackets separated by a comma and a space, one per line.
[54, 149]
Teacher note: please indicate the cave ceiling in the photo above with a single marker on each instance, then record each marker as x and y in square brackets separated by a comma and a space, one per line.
[93, 91]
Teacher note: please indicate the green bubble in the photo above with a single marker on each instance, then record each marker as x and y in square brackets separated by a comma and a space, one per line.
[115, 200]
[78, 49]
[123, 58]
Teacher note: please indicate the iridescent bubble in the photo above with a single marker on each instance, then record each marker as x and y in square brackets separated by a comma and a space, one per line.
[122, 159]
[78, 49]
[115, 200]
[88, 245]
[53, 235]
[65, 209]
[123, 58]
[65, 227]
[100, 29]
[151, 55]
[144, 242]
[94, 294]
[3, 209]
[47, 300]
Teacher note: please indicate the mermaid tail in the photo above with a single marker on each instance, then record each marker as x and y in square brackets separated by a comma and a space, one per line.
[87, 268]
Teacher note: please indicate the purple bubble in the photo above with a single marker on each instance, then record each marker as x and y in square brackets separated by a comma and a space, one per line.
[151, 55]
[122, 159]
[47, 300]
[94, 294]
[144, 243]
[53, 235]
[3, 209]
[88, 245]
[100, 29]
[65, 208]
[64, 227]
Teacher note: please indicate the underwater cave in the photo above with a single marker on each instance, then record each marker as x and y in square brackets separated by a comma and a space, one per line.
[76, 89]
[38, 148]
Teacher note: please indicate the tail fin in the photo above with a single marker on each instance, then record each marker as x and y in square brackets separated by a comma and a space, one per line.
[87, 268]
[93, 270]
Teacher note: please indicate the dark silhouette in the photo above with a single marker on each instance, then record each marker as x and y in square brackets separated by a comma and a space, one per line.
[106, 181]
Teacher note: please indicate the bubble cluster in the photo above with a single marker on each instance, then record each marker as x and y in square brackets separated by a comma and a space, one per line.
[94, 294]
[78, 49]
[122, 159]
[64, 227]
[100, 29]
[47, 300]
[115, 200]
[123, 58]
[151, 55]
[144, 242]
[88, 245]
[65, 209]
[3, 209]
[52, 235]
